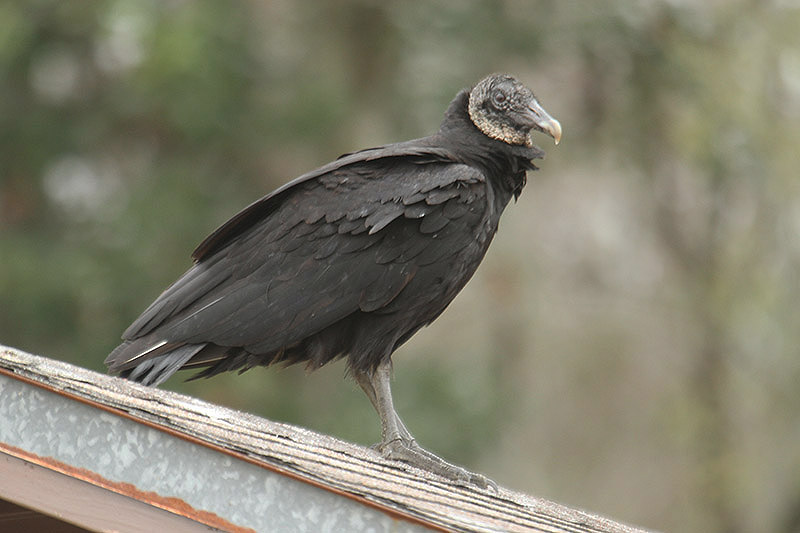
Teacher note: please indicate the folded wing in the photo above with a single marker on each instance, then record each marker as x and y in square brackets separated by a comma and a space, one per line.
[347, 240]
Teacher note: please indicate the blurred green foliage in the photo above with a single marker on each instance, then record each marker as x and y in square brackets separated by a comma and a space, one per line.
[629, 345]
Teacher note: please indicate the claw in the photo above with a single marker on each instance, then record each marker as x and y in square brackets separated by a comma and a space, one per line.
[410, 452]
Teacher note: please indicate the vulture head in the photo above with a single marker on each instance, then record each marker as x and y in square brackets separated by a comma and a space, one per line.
[504, 109]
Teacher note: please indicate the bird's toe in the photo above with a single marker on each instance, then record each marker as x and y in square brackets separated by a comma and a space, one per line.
[410, 452]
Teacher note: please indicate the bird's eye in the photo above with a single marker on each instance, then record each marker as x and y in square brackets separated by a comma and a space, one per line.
[499, 98]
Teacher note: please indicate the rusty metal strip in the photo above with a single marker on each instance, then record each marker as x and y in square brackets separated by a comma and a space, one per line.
[170, 504]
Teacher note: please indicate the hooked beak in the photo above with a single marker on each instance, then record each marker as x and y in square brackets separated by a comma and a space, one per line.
[544, 122]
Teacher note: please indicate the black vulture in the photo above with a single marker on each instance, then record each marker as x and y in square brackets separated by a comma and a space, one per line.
[349, 260]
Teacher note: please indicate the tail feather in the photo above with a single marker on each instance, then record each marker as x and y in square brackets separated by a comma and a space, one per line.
[153, 365]
[158, 369]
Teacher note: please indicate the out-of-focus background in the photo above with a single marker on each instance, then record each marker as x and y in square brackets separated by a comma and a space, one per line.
[630, 344]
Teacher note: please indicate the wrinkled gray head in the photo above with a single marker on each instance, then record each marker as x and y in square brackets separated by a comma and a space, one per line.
[504, 109]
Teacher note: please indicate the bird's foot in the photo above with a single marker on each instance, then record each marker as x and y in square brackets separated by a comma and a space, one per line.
[412, 453]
